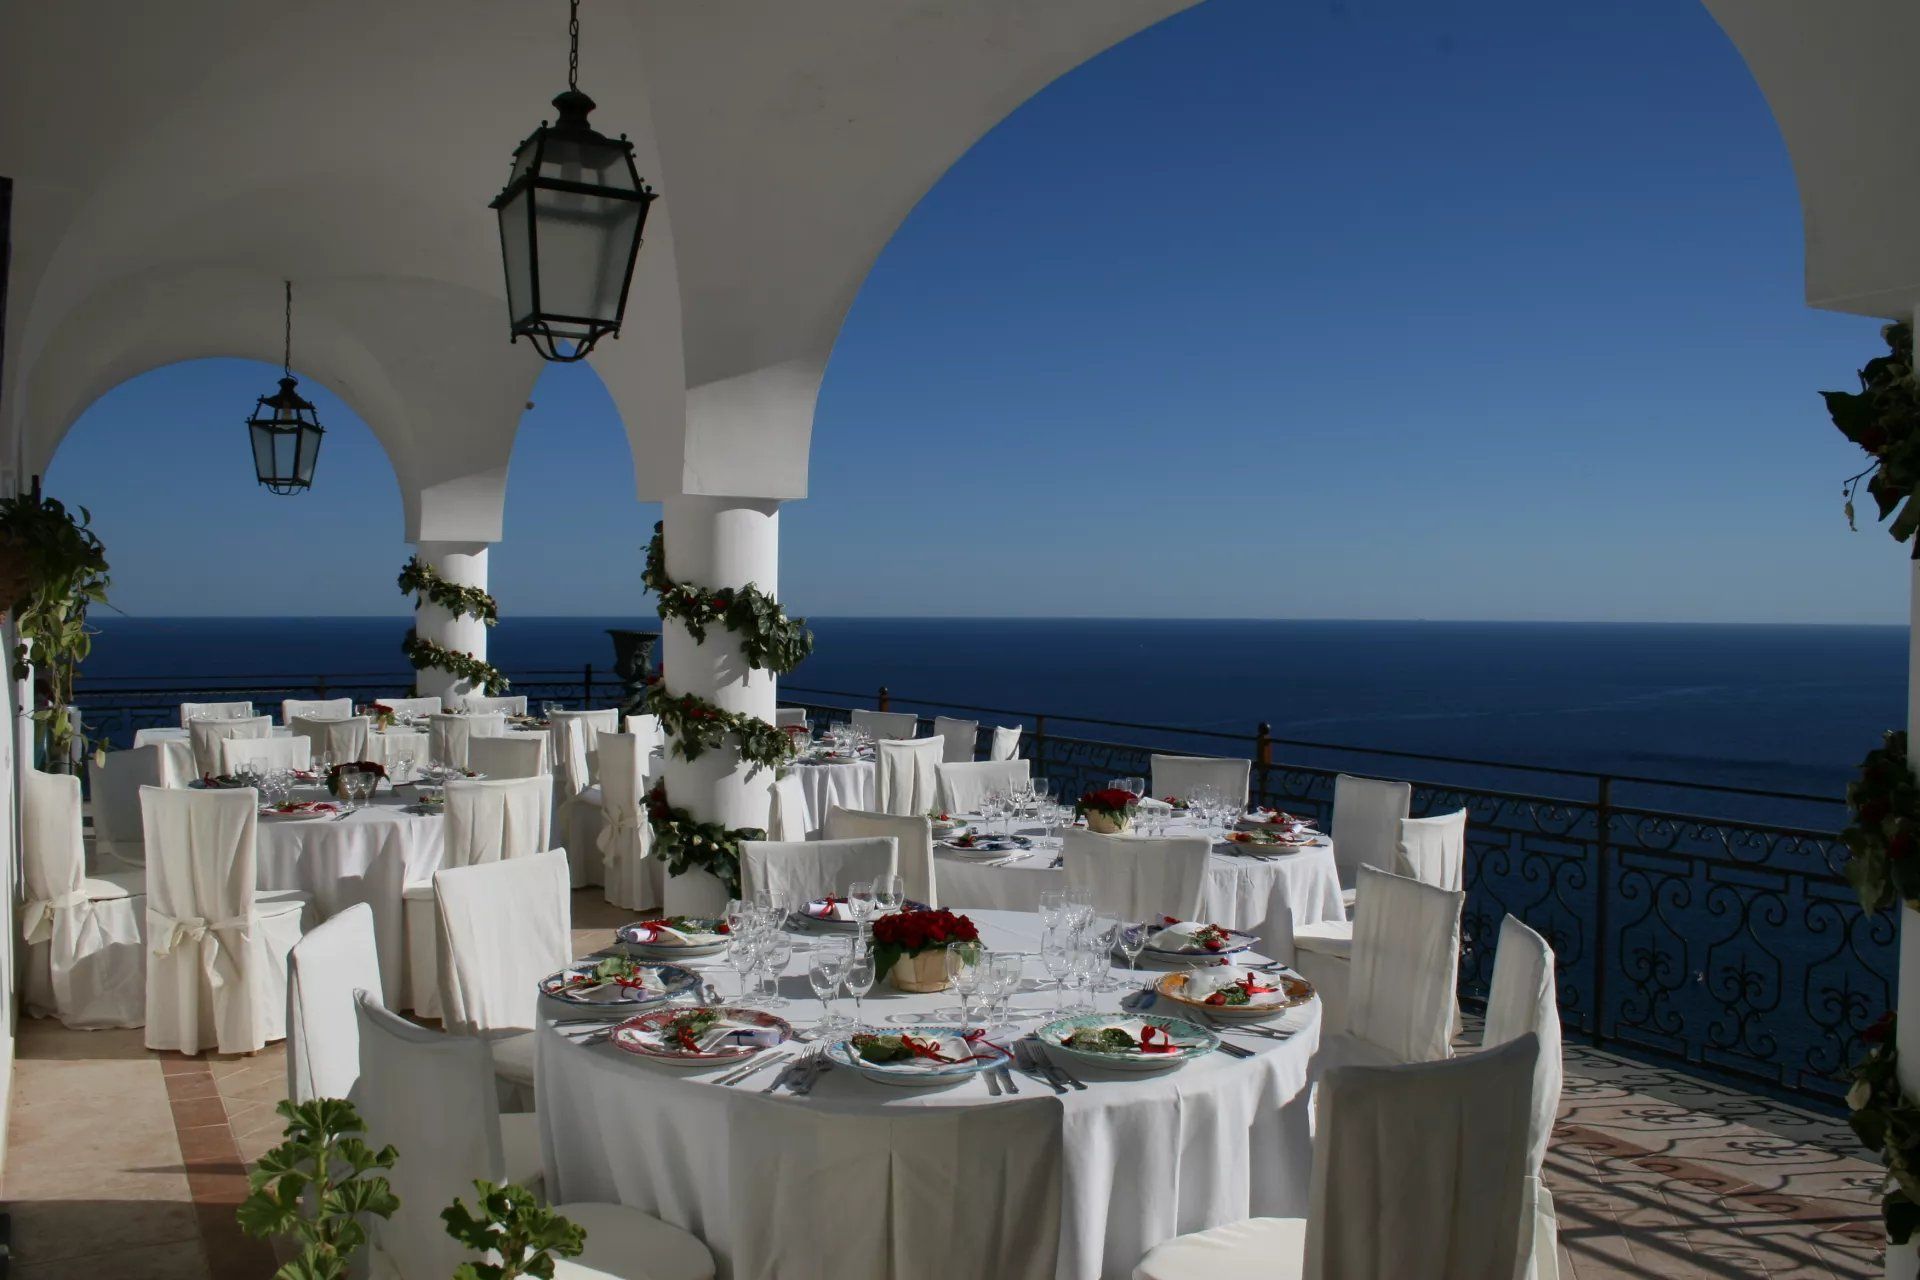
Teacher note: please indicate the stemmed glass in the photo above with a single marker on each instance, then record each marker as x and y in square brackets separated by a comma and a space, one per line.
[1007, 968]
[1053, 907]
[402, 767]
[861, 903]
[743, 953]
[1103, 936]
[1133, 940]
[1079, 911]
[1056, 956]
[1085, 962]
[859, 981]
[826, 970]
[777, 954]
[889, 892]
[964, 973]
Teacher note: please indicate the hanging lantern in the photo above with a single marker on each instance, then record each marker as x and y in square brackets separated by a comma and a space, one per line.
[571, 217]
[285, 428]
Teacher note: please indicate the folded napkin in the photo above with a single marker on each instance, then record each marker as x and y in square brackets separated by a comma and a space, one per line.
[1189, 935]
[733, 1035]
[1157, 806]
[1202, 983]
[830, 909]
[645, 931]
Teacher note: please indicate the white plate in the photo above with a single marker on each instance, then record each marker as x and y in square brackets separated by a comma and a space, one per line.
[909, 1075]
[307, 815]
[983, 854]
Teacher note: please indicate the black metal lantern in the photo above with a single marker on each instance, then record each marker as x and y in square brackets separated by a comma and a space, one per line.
[571, 217]
[285, 428]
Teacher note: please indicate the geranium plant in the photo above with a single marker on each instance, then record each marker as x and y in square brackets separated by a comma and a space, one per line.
[1883, 418]
[1883, 808]
[56, 568]
[316, 1186]
[909, 933]
[1888, 1123]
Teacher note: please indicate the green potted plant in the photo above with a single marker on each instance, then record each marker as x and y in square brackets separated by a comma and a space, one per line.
[53, 568]
[316, 1185]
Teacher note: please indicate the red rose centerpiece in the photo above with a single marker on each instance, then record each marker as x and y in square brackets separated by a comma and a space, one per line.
[381, 715]
[336, 776]
[910, 947]
[1109, 810]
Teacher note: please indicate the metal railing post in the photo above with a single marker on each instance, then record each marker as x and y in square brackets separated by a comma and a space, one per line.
[1263, 760]
[882, 701]
[1603, 889]
[320, 689]
[1040, 742]
[586, 688]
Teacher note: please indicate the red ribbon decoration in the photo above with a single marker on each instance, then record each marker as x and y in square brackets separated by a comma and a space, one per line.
[1148, 1035]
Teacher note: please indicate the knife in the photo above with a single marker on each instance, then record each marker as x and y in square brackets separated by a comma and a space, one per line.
[1037, 1059]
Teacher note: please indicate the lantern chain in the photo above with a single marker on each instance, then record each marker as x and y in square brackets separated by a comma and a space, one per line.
[573, 46]
[286, 360]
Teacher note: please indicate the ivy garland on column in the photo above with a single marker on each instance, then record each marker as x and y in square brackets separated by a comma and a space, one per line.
[769, 639]
[684, 843]
[422, 580]
[698, 726]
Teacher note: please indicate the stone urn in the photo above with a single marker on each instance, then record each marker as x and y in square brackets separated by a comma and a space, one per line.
[633, 664]
[922, 973]
[1109, 824]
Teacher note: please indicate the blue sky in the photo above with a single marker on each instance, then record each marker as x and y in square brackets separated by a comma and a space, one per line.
[1400, 309]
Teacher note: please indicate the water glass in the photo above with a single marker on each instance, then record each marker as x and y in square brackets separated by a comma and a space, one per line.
[402, 767]
[826, 970]
[743, 953]
[1056, 956]
[859, 981]
[861, 903]
[1053, 907]
[1007, 969]
[963, 973]
[777, 954]
[1133, 940]
[889, 891]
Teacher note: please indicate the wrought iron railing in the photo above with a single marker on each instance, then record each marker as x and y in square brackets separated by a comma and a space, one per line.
[1703, 925]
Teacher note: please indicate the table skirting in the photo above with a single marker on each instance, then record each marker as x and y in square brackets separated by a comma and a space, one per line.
[851, 785]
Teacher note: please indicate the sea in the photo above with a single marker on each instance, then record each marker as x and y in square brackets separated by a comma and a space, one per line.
[1773, 708]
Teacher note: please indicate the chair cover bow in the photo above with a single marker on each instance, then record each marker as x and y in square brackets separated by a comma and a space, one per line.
[169, 933]
[619, 838]
[36, 914]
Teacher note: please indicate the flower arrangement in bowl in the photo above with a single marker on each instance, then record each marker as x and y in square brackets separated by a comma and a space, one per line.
[337, 776]
[1108, 810]
[910, 947]
[381, 715]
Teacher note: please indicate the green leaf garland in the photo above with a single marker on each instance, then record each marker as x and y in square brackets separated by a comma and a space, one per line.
[424, 653]
[769, 639]
[698, 726]
[684, 843]
[420, 579]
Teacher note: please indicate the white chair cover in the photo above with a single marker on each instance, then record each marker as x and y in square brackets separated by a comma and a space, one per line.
[448, 735]
[1006, 742]
[325, 969]
[1137, 877]
[1406, 960]
[344, 740]
[504, 926]
[85, 956]
[479, 704]
[511, 755]
[412, 706]
[265, 753]
[1367, 813]
[887, 724]
[117, 779]
[206, 735]
[593, 723]
[795, 872]
[1182, 776]
[630, 876]
[191, 711]
[960, 736]
[217, 952]
[1524, 1000]
[652, 737]
[315, 709]
[576, 812]
[1434, 850]
[963, 785]
[907, 776]
[786, 716]
[912, 835]
[787, 817]
[1417, 1175]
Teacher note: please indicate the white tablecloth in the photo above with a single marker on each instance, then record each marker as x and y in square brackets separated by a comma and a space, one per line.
[178, 744]
[1242, 892]
[384, 745]
[863, 1180]
[367, 856]
[850, 785]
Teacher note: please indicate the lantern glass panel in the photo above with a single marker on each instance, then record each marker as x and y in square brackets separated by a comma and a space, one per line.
[308, 452]
[585, 244]
[516, 245]
[262, 452]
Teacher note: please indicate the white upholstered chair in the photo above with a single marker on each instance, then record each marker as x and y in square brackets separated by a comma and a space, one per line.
[436, 1103]
[315, 709]
[449, 735]
[1006, 742]
[1419, 1173]
[789, 717]
[486, 821]
[1139, 877]
[887, 724]
[629, 875]
[1434, 850]
[1182, 776]
[1367, 813]
[787, 816]
[205, 735]
[1524, 1000]
[1397, 993]
[412, 706]
[85, 935]
[343, 740]
[913, 835]
[591, 724]
[216, 947]
[503, 927]
[118, 836]
[265, 753]
[191, 711]
[577, 803]
[962, 786]
[796, 872]
[961, 736]
[334, 960]
[480, 704]
[906, 777]
[510, 755]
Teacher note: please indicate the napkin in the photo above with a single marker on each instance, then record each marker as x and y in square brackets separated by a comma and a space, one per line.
[830, 909]
[1177, 937]
[1202, 983]
[647, 932]
[1156, 806]
[753, 1037]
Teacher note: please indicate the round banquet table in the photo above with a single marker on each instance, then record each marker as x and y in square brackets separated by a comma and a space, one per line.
[860, 1179]
[367, 856]
[1251, 889]
[850, 784]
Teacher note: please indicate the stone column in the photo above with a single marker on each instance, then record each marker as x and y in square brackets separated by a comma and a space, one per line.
[714, 543]
[464, 563]
[1903, 1261]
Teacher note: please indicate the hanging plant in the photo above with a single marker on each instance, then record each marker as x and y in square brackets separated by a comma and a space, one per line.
[424, 581]
[697, 726]
[1883, 828]
[769, 639]
[1883, 418]
[424, 653]
[1887, 1122]
[56, 569]
[683, 843]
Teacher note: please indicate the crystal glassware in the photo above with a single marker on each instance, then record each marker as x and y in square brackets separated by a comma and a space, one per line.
[889, 891]
[1056, 956]
[963, 973]
[859, 981]
[826, 970]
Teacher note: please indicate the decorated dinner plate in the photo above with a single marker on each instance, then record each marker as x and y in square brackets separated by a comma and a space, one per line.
[618, 981]
[923, 1058]
[700, 1035]
[833, 915]
[218, 782]
[979, 848]
[1128, 1041]
[1276, 820]
[675, 937]
[1266, 841]
[1210, 992]
[299, 810]
[945, 824]
[1184, 941]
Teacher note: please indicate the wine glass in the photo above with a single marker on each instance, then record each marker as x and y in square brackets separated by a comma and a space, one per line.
[1056, 956]
[1084, 963]
[1102, 939]
[1133, 940]
[889, 891]
[859, 981]
[402, 767]
[963, 972]
[1053, 906]
[1079, 908]
[743, 953]
[735, 915]
[1007, 967]
[778, 955]
[826, 970]
[860, 902]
